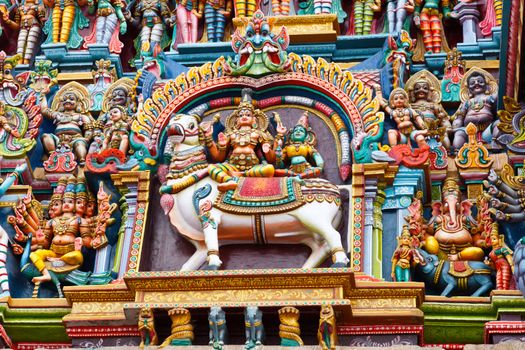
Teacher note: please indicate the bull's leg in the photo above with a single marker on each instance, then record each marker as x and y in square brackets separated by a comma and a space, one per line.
[448, 290]
[485, 283]
[210, 224]
[321, 223]
[320, 251]
[197, 259]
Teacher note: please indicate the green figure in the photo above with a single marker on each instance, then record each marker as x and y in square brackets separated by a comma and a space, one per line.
[364, 14]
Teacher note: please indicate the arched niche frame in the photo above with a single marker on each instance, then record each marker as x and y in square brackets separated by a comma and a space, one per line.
[346, 103]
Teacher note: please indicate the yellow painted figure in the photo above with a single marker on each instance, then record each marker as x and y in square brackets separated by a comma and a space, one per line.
[246, 134]
[66, 20]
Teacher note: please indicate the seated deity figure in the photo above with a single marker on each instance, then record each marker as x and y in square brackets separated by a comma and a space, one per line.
[410, 125]
[69, 112]
[425, 98]
[241, 148]
[116, 130]
[63, 229]
[299, 152]
[479, 102]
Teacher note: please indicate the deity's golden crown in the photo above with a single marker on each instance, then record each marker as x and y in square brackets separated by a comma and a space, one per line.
[450, 184]
[405, 232]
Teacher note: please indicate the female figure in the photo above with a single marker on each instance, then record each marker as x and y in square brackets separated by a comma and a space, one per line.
[215, 14]
[299, 148]
[29, 19]
[404, 256]
[428, 18]
[117, 130]
[500, 257]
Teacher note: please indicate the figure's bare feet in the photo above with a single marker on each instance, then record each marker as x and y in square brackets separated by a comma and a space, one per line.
[44, 278]
[226, 186]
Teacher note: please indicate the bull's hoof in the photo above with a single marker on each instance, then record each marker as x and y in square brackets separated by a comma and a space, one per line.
[339, 264]
[209, 267]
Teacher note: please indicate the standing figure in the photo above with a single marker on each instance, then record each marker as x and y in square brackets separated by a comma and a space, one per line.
[29, 19]
[479, 101]
[69, 112]
[406, 118]
[424, 92]
[106, 28]
[298, 151]
[242, 147]
[397, 13]
[428, 18]
[215, 14]
[403, 258]
[188, 14]
[363, 15]
[65, 23]
[500, 258]
[154, 16]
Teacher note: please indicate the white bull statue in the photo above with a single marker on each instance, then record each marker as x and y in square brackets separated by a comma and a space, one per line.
[192, 208]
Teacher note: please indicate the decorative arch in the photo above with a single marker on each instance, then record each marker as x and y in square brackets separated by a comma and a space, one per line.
[346, 101]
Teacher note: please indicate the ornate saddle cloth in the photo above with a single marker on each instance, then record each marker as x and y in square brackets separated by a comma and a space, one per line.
[60, 267]
[261, 195]
[460, 269]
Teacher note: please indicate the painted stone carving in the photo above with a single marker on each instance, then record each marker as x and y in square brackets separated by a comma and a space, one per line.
[204, 219]
[327, 332]
[218, 331]
[479, 98]
[289, 329]
[254, 327]
[259, 52]
[148, 334]
[107, 28]
[70, 113]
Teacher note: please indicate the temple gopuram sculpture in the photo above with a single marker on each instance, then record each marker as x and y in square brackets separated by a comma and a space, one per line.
[256, 173]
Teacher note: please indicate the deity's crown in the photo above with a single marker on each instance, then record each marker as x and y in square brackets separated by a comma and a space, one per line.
[91, 197]
[70, 188]
[81, 189]
[246, 101]
[58, 193]
[450, 185]
[406, 232]
[303, 121]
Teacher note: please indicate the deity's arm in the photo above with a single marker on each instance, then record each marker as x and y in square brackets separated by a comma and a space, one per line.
[418, 119]
[268, 145]
[219, 151]
[508, 256]
[41, 14]
[86, 233]
[460, 115]
[13, 24]
[118, 5]
[318, 159]
[200, 8]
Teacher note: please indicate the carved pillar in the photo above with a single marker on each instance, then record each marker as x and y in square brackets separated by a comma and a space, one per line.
[398, 197]
[469, 19]
[473, 162]
[365, 178]
[377, 240]
[134, 185]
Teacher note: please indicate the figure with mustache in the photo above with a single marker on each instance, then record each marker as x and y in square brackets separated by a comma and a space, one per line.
[478, 107]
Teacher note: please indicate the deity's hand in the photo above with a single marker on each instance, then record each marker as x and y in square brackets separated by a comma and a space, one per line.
[17, 249]
[453, 257]
[266, 148]
[206, 128]
[409, 6]
[486, 261]
[222, 140]
[123, 28]
[224, 13]
[393, 276]
[5, 16]
[281, 129]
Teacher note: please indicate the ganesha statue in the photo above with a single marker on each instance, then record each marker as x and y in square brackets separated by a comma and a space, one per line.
[453, 229]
